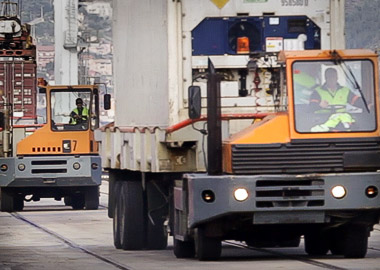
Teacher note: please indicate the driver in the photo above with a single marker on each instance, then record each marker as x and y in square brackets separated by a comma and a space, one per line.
[79, 114]
[329, 95]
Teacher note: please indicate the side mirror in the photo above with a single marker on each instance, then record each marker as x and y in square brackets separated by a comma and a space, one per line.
[194, 102]
[107, 101]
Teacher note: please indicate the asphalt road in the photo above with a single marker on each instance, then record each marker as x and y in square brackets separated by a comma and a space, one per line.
[48, 235]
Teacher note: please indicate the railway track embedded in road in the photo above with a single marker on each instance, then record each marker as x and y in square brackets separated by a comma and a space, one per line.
[287, 256]
[275, 253]
[71, 243]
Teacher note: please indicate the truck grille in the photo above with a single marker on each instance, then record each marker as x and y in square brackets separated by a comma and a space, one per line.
[289, 193]
[49, 166]
[303, 157]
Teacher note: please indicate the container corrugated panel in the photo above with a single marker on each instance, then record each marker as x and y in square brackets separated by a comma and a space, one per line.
[19, 85]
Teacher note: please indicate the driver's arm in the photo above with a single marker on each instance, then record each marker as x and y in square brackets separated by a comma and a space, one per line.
[356, 101]
[316, 103]
[73, 114]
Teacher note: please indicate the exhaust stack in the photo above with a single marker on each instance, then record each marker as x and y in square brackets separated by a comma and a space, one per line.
[214, 122]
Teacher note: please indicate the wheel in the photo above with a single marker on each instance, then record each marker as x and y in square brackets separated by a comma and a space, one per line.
[113, 191]
[316, 244]
[6, 200]
[67, 200]
[92, 198]
[77, 201]
[18, 203]
[116, 220]
[337, 241]
[356, 241]
[131, 220]
[206, 248]
[184, 249]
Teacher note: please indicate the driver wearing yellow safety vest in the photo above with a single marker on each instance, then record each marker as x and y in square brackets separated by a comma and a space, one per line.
[332, 97]
[79, 114]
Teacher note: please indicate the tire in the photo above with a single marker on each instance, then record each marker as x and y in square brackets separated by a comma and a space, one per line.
[18, 203]
[316, 244]
[337, 241]
[131, 221]
[92, 198]
[77, 201]
[116, 220]
[113, 191]
[356, 241]
[184, 249]
[206, 248]
[6, 201]
[67, 200]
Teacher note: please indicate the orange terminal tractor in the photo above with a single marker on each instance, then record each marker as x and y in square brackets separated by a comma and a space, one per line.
[310, 168]
[60, 159]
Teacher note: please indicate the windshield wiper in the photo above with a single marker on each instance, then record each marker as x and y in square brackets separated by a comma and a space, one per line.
[338, 60]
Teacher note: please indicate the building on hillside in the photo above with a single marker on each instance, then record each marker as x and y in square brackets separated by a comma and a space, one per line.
[45, 55]
[45, 61]
[100, 9]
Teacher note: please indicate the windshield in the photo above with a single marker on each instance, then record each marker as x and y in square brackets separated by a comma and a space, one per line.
[334, 96]
[70, 110]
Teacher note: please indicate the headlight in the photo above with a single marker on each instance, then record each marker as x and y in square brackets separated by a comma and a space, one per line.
[21, 166]
[76, 166]
[241, 194]
[338, 192]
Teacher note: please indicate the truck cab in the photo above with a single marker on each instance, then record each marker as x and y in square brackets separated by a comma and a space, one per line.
[351, 115]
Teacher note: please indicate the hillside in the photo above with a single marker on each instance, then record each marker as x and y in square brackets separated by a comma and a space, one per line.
[31, 9]
[363, 24]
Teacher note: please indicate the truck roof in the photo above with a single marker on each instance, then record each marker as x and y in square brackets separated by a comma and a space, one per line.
[326, 54]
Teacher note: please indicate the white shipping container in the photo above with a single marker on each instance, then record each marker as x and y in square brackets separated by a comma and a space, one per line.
[153, 53]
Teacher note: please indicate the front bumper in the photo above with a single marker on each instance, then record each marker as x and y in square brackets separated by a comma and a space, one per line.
[280, 199]
[50, 171]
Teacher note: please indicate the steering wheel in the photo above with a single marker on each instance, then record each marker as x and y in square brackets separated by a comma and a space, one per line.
[335, 108]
